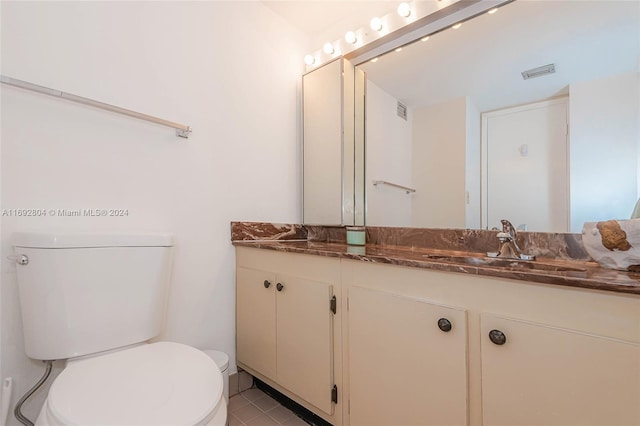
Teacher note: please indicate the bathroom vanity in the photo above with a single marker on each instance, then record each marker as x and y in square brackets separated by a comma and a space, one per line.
[288, 325]
[428, 329]
[424, 335]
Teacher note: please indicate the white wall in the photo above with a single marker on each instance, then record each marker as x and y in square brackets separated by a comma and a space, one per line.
[231, 70]
[604, 148]
[472, 169]
[388, 158]
[439, 145]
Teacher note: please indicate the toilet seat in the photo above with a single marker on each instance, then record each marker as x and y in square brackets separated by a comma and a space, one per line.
[162, 383]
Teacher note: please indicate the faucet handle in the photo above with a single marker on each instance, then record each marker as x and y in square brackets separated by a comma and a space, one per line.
[508, 228]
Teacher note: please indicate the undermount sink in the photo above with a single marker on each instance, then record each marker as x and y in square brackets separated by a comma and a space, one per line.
[503, 263]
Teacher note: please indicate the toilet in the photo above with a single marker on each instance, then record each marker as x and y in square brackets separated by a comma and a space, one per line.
[222, 361]
[95, 301]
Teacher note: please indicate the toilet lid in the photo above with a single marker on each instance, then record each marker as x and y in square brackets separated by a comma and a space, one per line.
[162, 383]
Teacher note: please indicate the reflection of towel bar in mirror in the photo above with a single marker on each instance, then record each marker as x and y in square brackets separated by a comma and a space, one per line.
[182, 130]
[404, 188]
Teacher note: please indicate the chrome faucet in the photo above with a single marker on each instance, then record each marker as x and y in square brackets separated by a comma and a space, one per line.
[508, 244]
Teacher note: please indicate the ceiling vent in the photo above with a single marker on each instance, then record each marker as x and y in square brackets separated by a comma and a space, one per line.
[539, 72]
[402, 111]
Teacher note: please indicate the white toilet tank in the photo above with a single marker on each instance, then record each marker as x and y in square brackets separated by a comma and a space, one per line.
[81, 293]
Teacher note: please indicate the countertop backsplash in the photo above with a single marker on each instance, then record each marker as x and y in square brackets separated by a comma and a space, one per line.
[541, 244]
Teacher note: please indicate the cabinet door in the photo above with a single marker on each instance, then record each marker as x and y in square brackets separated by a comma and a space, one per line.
[549, 376]
[403, 369]
[256, 320]
[305, 339]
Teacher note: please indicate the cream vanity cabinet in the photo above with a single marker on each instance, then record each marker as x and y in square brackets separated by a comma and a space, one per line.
[554, 376]
[287, 332]
[408, 360]
[517, 353]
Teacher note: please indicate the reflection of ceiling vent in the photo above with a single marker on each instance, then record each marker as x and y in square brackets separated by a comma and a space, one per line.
[402, 111]
[539, 72]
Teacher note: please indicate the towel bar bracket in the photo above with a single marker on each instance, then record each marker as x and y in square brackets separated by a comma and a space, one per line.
[184, 133]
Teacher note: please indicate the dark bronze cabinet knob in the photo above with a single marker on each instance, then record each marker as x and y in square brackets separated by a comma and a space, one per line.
[444, 325]
[279, 286]
[497, 337]
[266, 283]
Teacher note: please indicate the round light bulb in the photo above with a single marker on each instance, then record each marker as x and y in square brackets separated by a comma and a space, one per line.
[350, 37]
[404, 10]
[309, 60]
[456, 26]
[374, 60]
[376, 24]
[328, 48]
[492, 11]
[399, 49]
[425, 38]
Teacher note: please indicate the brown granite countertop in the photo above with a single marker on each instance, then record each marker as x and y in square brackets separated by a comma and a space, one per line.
[572, 273]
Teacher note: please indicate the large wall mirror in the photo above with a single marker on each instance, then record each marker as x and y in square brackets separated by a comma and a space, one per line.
[454, 118]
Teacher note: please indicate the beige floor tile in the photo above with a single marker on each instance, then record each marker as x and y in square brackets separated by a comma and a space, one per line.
[266, 403]
[262, 420]
[234, 421]
[236, 402]
[280, 414]
[247, 413]
[253, 394]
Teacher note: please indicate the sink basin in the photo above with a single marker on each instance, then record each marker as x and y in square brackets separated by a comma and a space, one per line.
[503, 263]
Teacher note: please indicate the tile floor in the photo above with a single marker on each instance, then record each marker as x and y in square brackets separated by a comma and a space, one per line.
[253, 407]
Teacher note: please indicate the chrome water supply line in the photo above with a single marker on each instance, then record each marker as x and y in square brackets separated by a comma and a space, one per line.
[18, 410]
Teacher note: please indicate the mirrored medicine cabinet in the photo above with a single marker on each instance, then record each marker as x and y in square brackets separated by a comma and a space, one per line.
[333, 145]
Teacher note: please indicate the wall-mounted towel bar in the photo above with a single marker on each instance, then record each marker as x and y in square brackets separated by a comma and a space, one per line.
[181, 130]
[384, 182]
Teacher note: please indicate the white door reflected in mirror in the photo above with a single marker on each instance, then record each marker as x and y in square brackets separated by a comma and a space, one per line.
[525, 188]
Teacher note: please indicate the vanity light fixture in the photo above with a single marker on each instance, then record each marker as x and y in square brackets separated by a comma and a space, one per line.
[376, 24]
[309, 60]
[404, 9]
[492, 11]
[328, 48]
[399, 49]
[350, 37]
[424, 38]
[456, 26]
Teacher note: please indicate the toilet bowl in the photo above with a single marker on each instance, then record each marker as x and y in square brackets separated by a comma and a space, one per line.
[162, 383]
